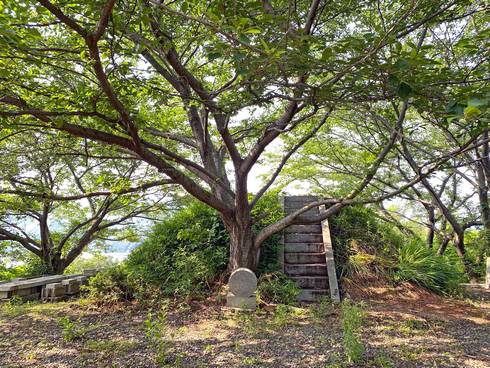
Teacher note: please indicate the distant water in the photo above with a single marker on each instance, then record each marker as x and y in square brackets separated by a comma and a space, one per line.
[117, 251]
[121, 247]
[116, 256]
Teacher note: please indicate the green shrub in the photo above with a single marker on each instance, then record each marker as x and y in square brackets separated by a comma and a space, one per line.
[424, 267]
[181, 257]
[110, 286]
[24, 266]
[320, 311]
[363, 243]
[15, 306]
[352, 320]
[277, 288]
[476, 252]
[183, 254]
[282, 315]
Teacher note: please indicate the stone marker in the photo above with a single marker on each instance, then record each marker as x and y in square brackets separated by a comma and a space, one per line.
[243, 282]
[242, 285]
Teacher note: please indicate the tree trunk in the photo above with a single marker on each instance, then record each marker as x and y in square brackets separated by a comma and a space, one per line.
[461, 251]
[59, 266]
[242, 251]
[444, 242]
[485, 214]
[53, 264]
[431, 227]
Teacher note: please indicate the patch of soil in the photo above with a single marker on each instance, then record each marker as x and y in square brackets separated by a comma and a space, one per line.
[404, 327]
[416, 325]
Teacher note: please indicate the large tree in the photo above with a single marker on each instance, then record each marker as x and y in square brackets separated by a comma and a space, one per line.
[201, 89]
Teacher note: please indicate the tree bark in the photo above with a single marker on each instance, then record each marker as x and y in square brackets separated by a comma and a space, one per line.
[58, 265]
[484, 209]
[242, 250]
[53, 264]
[461, 251]
[431, 226]
[444, 242]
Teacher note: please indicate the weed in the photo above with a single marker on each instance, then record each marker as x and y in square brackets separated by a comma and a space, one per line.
[281, 315]
[71, 330]
[408, 353]
[16, 306]
[352, 320]
[179, 360]
[249, 323]
[251, 361]
[15, 300]
[414, 326]
[322, 310]
[277, 288]
[156, 331]
[424, 267]
[335, 365]
[335, 361]
[382, 361]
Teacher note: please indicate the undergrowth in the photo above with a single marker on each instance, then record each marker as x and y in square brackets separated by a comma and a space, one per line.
[277, 288]
[156, 333]
[424, 267]
[72, 330]
[352, 320]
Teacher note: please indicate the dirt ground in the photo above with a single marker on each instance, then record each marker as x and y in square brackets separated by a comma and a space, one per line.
[403, 327]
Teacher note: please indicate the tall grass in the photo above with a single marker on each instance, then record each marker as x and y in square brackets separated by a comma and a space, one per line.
[424, 267]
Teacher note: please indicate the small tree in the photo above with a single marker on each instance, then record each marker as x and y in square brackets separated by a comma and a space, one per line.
[55, 202]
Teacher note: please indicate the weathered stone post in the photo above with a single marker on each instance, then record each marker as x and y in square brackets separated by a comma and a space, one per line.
[53, 292]
[242, 285]
[72, 286]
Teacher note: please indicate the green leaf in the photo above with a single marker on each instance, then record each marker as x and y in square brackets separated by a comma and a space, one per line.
[327, 53]
[214, 55]
[471, 112]
[254, 31]
[404, 90]
[402, 64]
[477, 101]
[393, 81]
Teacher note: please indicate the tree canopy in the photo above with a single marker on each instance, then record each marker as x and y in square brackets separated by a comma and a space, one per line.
[201, 91]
